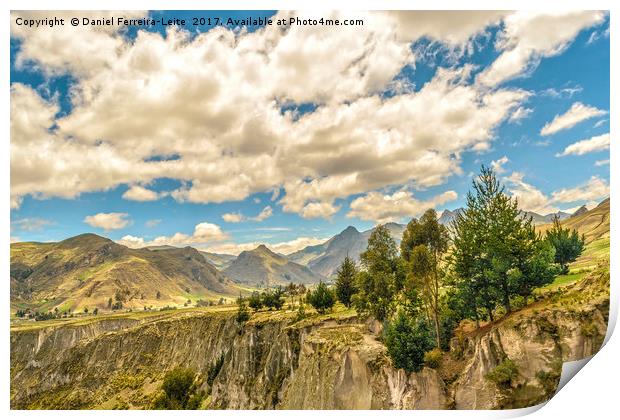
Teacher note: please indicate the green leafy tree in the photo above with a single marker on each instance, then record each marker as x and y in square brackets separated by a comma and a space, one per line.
[272, 299]
[382, 276]
[407, 340]
[321, 298]
[345, 281]
[243, 314]
[179, 391]
[291, 290]
[423, 245]
[255, 301]
[568, 244]
[497, 253]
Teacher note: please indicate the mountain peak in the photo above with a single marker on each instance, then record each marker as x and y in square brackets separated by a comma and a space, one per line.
[262, 248]
[581, 210]
[350, 229]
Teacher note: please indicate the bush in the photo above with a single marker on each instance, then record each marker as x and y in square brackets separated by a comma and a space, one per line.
[301, 313]
[503, 374]
[272, 299]
[255, 301]
[243, 314]
[322, 298]
[432, 358]
[179, 391]
[407, 340]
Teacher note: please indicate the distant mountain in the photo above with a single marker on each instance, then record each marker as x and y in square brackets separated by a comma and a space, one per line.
[87, 270]
[220, 261]
[539, 219]
[581, 210]
[264, 268]
[448, 216]
[327, 257]
[594, 224]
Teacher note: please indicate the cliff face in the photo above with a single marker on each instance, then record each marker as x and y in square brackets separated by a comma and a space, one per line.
[334, 362]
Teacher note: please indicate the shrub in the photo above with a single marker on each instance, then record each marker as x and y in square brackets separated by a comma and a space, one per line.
[255, 301]
[242, 312]
[301, 313]
[432, 358]
[503, 374]
[407, 340]
[272, 299]
[179, 391]
[322, 298]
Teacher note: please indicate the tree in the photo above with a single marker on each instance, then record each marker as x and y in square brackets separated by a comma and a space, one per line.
[497, 253]
[179, 391]
[255, 301]
[382, 275]
[109, 303]
[243, 314]
[85, 310]
[291, 290]
[568, 245]
[407, 340]
[345, 281]
[272, 299]
[321, 298]
[95, 311]
[158, 295]
[423, 245]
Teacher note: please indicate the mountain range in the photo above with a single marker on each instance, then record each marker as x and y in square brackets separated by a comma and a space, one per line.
[262, 267]
[327, 257]
[86, 271]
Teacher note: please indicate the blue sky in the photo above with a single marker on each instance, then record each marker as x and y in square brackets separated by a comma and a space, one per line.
[73, 92]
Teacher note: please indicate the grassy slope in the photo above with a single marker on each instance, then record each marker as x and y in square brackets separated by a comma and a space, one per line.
[87, 270]
[594, 224]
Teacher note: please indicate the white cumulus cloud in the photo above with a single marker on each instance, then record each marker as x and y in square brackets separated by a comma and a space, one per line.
[384, 208]
[593, 144]
[577, 113]
[108, 221]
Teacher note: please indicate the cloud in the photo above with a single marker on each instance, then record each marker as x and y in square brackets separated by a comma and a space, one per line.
[265, 213]
[233, 217]
[520, 114]
[384, 208]
[108, 221]
[80, 50]
[218, 100]
[237, 217]
[602, 162]
[139, 193]
[152, 223]
[498, 165]
[528, 36]
[204, 233]
[286, 247]
[532, 199]
[577, 113]
[593, 144]
[594, 190]
[561, 93]
[31, 224]
[316, 210]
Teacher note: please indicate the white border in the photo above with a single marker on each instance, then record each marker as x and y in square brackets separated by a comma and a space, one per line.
[592, 395]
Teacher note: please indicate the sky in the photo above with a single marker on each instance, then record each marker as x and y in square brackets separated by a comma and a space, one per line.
[227, 137]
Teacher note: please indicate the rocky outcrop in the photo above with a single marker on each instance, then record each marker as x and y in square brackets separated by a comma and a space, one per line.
[272, 361]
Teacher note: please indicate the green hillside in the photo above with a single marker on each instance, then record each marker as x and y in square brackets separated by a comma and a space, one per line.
[87, 271]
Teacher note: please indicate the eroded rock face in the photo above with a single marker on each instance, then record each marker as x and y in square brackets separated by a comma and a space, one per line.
[273, 362]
